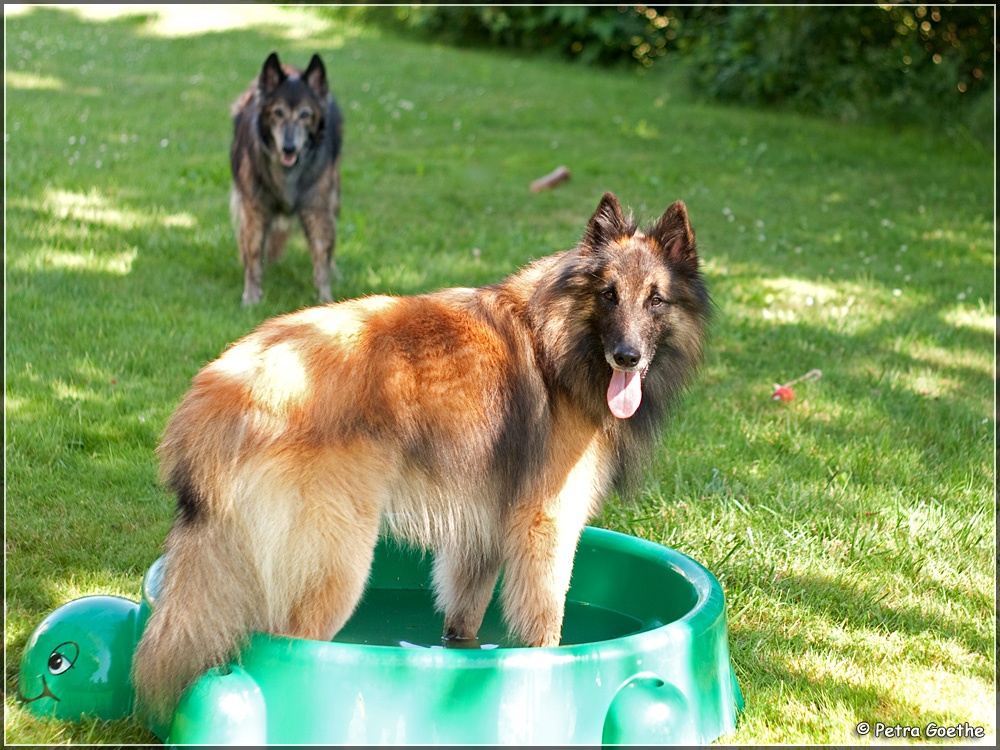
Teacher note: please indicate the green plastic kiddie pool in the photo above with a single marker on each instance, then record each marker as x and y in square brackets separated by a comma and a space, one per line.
[644, 659]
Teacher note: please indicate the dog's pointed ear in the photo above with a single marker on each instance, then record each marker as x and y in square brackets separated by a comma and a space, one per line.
[271, 75]
[607, 224]
[675, 236]
[315, 77]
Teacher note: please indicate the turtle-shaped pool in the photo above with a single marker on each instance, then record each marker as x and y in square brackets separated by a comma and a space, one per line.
[644, 659]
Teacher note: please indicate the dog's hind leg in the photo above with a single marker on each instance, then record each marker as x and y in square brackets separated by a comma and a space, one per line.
[321, 234]
[331, 599]
[331, 541]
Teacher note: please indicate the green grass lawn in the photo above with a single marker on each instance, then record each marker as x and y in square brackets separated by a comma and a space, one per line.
[853, 528]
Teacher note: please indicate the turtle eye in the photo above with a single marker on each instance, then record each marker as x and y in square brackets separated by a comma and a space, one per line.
[63, 657]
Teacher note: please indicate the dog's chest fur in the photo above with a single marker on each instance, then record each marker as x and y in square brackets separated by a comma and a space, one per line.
[284, 189]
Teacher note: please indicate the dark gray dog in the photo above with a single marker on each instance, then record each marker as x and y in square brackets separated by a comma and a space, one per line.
[285, 157]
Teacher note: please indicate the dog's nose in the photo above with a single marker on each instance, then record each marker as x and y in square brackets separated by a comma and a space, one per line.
[626, 356]
[288, 148]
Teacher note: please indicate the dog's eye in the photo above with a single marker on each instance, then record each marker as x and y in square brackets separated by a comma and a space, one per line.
[279, 111]
[656, 301]
[305, 114]
[610, 295]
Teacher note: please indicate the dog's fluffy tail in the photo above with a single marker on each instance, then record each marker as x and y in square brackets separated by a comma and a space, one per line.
[204, 610]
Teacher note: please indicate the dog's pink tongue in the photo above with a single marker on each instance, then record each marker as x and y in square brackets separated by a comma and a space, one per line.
[624, 393]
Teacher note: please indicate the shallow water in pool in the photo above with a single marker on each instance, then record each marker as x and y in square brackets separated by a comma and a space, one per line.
[407, 618]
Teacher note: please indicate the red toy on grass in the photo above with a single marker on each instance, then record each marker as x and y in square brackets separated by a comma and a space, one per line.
[785, 393]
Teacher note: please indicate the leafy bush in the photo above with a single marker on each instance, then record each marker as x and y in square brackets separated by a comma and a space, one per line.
[603, 35]
[913, 63]
[897, 63]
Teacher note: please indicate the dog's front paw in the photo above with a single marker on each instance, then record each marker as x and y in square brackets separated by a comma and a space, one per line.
[251, 296]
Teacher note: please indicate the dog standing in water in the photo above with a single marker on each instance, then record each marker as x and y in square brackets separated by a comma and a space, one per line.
[486, 425]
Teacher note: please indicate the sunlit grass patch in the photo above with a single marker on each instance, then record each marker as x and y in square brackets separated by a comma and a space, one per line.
[97, 209]
[19, 80]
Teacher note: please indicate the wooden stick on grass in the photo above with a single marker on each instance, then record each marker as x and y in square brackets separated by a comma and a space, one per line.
[557, 176]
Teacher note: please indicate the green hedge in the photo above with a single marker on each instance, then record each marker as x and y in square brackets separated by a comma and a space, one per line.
[924, 64]
[896, 63]
[603, 35]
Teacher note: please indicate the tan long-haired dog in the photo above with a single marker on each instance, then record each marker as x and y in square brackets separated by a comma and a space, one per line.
[485, 424]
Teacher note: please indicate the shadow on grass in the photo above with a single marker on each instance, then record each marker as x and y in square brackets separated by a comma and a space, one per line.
[884, 413]
[803, 698]
[841, 602]
[862, 702]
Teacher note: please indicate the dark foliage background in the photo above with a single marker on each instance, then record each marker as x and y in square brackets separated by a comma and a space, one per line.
[900, 63]
[925, 64]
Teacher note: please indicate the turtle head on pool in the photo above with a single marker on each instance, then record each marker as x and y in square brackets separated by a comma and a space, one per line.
[77, 661]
